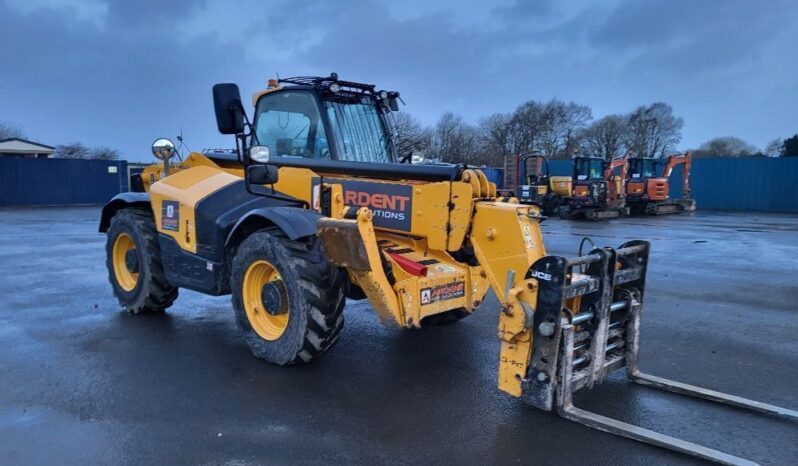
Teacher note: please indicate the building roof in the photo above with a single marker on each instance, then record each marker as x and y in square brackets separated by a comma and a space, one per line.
[23, 146]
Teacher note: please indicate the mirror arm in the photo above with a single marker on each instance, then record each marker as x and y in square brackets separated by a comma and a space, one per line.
[241, 144]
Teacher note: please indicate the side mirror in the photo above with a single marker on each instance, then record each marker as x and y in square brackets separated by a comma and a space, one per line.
[262, 174]
[163, 149]
[228, 108]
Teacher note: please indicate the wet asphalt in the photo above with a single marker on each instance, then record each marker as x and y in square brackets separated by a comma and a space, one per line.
[82, 382]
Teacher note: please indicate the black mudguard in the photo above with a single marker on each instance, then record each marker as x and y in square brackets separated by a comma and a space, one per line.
[121, 201]
[294, 222]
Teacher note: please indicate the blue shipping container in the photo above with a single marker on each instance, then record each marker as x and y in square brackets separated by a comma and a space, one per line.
[40, 182]
[495, 175]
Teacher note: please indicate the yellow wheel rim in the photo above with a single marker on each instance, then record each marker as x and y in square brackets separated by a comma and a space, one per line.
[124, 276]
[268, 326]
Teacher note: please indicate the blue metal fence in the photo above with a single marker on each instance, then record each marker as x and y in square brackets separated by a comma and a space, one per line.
[756, 183]
[495, 175]
[752, 183]
[26, 182]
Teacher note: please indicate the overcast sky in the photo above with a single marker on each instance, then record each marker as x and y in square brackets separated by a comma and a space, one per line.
[122, 73]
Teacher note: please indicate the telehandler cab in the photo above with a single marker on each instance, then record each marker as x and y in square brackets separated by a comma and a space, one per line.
[314, 208]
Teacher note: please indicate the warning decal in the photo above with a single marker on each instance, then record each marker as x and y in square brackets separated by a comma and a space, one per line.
[442, 292]
[170, 215]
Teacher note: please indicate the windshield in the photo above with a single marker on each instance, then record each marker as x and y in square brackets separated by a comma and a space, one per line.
[358, 130]
[290, 124]
[642, 168]
[589, 169]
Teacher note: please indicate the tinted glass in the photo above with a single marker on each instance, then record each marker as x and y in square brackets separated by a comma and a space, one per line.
[642, 168]
[359, 131]
[589, 169]
[290, 124]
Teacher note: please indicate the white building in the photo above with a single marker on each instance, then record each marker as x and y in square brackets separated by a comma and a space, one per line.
[16, 147]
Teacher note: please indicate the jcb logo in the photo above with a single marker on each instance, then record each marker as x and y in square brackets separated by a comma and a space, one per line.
[541, 275]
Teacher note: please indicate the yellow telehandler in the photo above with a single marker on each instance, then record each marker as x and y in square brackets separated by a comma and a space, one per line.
[312, 208]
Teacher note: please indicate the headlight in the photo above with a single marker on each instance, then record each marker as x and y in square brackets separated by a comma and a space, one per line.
[334, 88]
[259, 154]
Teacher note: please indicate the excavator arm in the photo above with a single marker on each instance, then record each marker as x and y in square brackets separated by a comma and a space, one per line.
[685, 159]
[619, 183]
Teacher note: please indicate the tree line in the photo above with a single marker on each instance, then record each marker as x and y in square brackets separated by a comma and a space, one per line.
[561, 130]
[74, 150]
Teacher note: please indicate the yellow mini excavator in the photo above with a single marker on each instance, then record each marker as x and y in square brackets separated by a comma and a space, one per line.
[312, 207]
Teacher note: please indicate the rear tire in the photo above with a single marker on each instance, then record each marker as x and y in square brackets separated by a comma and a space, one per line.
[313, 289]
[133, 258]
[552, 205]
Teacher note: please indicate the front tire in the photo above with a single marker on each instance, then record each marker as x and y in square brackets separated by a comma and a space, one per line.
[288, 298]
[135, 269]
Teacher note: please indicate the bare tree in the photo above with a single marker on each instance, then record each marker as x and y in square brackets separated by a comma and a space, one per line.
[727, 146]
[552, 130]
[604, 138]
[558, 126]
[10, 130]
[498, 134]
[78, 151]
[408, 134]
[75, 150]
[576, 117]
[653, 130]
[454, 140]
[526, 124]
[104, 153]
[774, 148]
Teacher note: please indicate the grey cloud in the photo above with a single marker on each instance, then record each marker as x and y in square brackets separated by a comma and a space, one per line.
[146, 69]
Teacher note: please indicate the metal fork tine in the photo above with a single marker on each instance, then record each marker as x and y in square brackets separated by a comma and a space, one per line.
[567, 410]
[614, 426]
[711, 395]
[634, 373]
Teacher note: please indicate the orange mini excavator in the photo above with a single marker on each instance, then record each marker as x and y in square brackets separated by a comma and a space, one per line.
[649, 194]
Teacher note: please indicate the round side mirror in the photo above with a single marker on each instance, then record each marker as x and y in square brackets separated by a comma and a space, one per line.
[163, 149]
[259, 154]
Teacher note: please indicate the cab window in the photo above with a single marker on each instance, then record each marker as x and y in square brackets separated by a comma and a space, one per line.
[643, 168]
[289, 123]
[589, 169]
